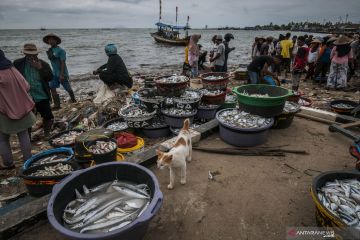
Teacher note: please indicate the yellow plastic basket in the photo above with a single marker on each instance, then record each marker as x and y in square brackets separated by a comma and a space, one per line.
[138, 148]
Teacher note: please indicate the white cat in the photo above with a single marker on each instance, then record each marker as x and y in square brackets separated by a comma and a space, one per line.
[178, 155]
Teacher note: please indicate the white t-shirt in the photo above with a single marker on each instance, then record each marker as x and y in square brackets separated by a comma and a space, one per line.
[312, 56]
[220, 50]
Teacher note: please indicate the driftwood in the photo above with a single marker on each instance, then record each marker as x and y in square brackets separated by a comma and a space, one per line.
[259, 151]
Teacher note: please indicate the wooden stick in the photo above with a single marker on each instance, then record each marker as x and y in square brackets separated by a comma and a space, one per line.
[251, 150]
[317, 119]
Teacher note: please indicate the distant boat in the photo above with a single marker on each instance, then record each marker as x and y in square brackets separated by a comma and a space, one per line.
[43, 29]
[169, 34]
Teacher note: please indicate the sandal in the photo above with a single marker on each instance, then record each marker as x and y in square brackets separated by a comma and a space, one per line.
[2, 167]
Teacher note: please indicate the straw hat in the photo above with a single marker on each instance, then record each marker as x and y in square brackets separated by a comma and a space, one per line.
[332, 39]
[342, 40]
[51, 35]
[30, 48]
[316, 41]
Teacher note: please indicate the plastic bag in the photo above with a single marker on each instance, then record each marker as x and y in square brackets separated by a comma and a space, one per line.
[126, 140]
[104, 94]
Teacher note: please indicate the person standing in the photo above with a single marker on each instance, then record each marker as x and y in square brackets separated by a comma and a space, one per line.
[114, 72]
[299, 63]
[312, 58]
[57, 57]
[212, 52]
[38, 74]
[355, 47]
[219, 55]
[267, 47]
[186, 66]
[323, 62]
[15, 112]
[286, 48]
[341, 56]
[194, 53]
[228, 50]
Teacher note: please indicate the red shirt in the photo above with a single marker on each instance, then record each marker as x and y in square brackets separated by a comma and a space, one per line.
[300, 62]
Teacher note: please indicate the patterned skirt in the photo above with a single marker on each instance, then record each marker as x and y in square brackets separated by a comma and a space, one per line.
[338, 75]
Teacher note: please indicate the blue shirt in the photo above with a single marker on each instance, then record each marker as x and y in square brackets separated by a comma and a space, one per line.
[59, 55]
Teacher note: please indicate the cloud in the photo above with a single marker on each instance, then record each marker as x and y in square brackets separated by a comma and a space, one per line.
[143, 13]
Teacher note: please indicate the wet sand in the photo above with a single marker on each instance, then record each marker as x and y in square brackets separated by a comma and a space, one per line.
[252, 198]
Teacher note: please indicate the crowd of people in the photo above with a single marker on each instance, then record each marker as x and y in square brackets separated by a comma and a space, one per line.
[28, 86]
[331, 59]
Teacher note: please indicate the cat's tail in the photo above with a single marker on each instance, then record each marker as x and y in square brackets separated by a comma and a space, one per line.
[186, 126]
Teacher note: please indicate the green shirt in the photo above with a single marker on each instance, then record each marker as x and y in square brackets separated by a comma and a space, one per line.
[59, 55]
[37, 91]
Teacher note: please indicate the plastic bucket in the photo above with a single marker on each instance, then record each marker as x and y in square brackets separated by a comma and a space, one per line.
[171, 89]
[343, 110]
[219, 84]
[324, 218]
[243, 137]
[48, 153]
[120, 119]
[214, 100]
[177, 121]
[158, 132]
[40, 186]
[134, 150]
[207, 113]
[81, 153]
[137, 121]
[64, 192]
[103, 157]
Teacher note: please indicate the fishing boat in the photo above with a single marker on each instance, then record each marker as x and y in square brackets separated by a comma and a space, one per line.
[169, 34]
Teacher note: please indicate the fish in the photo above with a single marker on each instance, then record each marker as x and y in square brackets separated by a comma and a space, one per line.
[207, 92]
[179, 112]
[108, 207]
[135, 112]
[67, 138]
[56, 170]
[230, 98]
[341, 198]
[61, 157]
[213, 77]
[101, 147]
[117, 126]
[343, 106]
[257, 95]
[241, 119]
[173, 79]
[290, 107]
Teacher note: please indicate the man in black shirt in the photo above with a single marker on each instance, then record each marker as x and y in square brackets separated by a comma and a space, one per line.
[259, 67]
[114, 71]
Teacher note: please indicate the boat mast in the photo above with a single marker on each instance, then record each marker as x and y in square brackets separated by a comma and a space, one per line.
[160, 11]
[176, 16]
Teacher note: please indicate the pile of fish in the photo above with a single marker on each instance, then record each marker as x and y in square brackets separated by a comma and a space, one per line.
[60, 157]
[56, 170]
[211, 92]
[207, 106]
[257, 95]
[191, 95]
[230, 98]
[212, 77]
[157, 122]
[342, 106]
[179, 112]
[291, 107]
[173, 79]
[117, 126]
[134, 112]
[107, 207]
[241, 119]
[342, 198]
[67, 138]
[101, 147]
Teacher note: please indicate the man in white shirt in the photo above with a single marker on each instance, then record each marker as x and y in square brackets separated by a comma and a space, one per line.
[219, 56]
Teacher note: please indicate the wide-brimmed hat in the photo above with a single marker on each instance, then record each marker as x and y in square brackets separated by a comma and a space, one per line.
[219, 37]
[342, 40]
[316, 41]
[52, 35]
[30, 48]
[332, 39]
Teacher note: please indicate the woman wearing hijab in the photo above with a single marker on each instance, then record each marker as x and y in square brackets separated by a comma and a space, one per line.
[341, 56]
[194, 53]
[15, 112]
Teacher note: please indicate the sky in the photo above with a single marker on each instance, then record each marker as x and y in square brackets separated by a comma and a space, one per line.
[25, 14]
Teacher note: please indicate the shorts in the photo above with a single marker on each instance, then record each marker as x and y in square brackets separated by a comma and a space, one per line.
[55, 83]
[43, 107]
